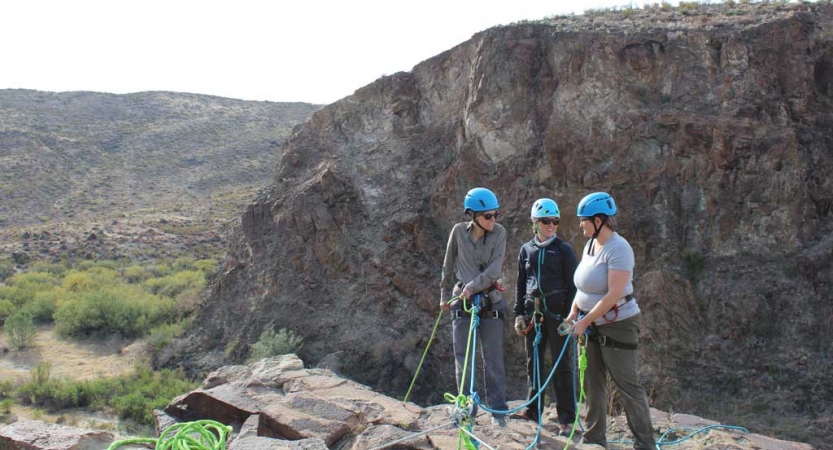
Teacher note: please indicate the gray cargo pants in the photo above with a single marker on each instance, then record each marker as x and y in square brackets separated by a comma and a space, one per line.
[490, 344]
[622, 365]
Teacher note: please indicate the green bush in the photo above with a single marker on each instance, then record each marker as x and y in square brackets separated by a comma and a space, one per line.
[6, 309]
[47, 267]
[159, 270]
[183, 263]
[275, 344]
[124, 310]
[175, 284]
[134, 274]
[43, 306]
[161, 335]
[207, 266]
[14, 295]
[22, 287]
[20, 331]
[133, 396]
[6, 269]
[104, 264]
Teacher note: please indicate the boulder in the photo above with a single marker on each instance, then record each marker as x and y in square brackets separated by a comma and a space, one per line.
[37, 435]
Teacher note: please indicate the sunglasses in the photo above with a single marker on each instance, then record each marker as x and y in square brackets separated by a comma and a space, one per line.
[548, 221]
[489, 216]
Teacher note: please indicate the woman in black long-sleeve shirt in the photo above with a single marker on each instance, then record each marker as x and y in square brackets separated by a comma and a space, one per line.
[545, 277]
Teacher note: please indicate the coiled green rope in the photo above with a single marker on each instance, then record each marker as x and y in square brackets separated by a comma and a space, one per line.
[197, 435]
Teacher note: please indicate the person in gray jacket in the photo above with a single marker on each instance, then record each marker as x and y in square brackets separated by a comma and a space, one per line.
[472, 270]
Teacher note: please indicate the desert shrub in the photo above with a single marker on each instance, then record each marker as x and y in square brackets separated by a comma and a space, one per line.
[6, 406]
[12, 294]
[90, 279]
[6, 388]
[103, 264]
[183, 263]
[26, 285]
[187, 301]
[147, 390]
[77, 281]
[47, 267]
[174, 284]
[206, 265]
[6, 309]
[6, 269]
[43, 305]
[133, 396]
[134, 274]
[20, 331]
[161, 335]
[123, 310]
[275, 344]
[158, 270]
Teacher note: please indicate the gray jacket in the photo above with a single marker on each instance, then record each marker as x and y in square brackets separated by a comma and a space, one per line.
[473, 264]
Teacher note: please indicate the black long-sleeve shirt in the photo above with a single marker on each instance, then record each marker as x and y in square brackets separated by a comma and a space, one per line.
[557, 286]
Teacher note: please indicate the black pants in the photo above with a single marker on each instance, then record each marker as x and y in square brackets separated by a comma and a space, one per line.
[562, 380]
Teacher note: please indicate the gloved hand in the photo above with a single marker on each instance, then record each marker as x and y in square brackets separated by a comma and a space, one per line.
[520, 325]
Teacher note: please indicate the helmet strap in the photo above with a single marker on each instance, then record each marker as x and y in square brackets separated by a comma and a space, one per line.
[474, 219]
[598, 229]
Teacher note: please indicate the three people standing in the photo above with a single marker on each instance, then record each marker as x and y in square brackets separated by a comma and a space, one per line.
[595, 294]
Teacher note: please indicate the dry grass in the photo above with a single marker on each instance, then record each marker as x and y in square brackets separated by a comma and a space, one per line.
[72, 360]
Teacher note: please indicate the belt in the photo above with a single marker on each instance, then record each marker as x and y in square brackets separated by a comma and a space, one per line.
[606, 341]
[624, 300]
[490, 314]
[619, 303]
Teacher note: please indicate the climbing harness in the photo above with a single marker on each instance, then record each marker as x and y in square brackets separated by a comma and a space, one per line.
[198, 435]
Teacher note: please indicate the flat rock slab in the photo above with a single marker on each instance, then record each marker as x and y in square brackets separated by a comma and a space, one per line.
[37, 435]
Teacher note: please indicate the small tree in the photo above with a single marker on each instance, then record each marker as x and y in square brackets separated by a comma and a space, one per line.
[20, 331]
[275, 344]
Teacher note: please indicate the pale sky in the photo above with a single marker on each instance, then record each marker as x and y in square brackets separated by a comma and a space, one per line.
[301, 50]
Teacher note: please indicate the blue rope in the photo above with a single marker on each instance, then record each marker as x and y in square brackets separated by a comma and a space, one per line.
[689, 436]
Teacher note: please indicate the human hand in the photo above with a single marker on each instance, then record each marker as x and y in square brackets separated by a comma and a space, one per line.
[445, 306]
[572, 317]
[520, 325]
[466, 293]
[580, 327]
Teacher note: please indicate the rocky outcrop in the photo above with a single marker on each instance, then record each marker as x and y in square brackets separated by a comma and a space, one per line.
[36, 435]
[714, 138]
[277, 404]
[282, 405]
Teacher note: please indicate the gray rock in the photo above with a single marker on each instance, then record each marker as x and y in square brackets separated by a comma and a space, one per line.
[37, 435]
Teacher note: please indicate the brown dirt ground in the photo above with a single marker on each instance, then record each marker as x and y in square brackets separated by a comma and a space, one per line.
[71, 360]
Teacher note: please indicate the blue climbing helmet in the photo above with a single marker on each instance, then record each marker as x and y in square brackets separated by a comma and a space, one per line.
[596, 203]
[480, 199]
[545, 207]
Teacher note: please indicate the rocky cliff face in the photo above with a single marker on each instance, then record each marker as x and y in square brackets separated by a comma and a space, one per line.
[712, 131]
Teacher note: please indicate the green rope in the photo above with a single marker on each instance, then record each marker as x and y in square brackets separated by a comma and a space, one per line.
[427, 346]
[582, 367]
[463, 405]
[180, 436]
[471, 311]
